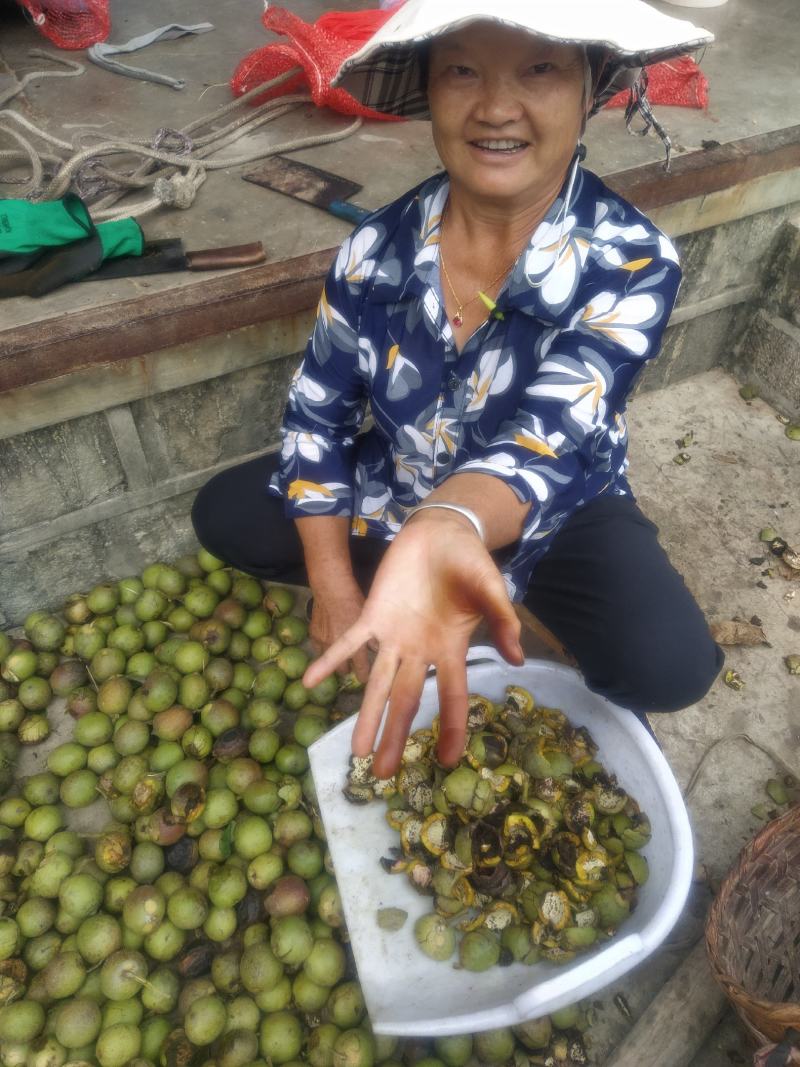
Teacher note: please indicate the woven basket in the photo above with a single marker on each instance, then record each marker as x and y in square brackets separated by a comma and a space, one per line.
[753, 931]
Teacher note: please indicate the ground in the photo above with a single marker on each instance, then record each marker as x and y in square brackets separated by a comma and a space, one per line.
[743, 475]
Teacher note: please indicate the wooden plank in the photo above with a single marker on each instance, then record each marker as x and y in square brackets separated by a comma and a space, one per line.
[133, 328]
[767, 193]
[699, 173]
[129, 446]
[541, 633]
[85, 390]
[677, 1023]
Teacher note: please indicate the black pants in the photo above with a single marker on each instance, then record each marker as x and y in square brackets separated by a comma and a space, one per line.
[605, 588]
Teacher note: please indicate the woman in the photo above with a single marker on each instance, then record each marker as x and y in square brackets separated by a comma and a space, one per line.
[495, 320]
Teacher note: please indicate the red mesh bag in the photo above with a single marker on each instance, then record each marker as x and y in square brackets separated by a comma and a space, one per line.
[70, 24]
[319, 48]
[675, 82]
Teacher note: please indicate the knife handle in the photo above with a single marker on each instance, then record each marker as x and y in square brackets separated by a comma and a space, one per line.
[343, 209]
[218, 258]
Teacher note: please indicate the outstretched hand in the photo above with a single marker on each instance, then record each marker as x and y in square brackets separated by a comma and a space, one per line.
[435, 584]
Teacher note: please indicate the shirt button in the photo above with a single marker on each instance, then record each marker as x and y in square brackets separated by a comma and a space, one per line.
[453, 381]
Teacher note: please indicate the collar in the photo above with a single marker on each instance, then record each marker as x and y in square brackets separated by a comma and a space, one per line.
[542, 281]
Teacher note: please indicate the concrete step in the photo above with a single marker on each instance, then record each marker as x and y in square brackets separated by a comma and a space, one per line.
[782, 272]
[768, 358]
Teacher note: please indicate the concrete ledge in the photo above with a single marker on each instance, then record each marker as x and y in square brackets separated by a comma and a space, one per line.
[110, 421]
[134, 328]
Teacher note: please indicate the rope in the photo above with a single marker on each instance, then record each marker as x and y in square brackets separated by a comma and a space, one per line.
[289, 146]
[777, 760]
[32, 155]
[28, 125]
[206, 120]
[37, 75]
[13, 156]
[146, 168]
[175, 175]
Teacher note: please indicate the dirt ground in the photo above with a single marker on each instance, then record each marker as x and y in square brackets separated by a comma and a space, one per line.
[743, 475]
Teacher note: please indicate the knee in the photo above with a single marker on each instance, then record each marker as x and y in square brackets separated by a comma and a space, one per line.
[221, 521]
[209, 520]
[669, 679]
[662, 677]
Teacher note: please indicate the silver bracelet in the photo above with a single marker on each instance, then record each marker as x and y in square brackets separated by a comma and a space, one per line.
[468, 514]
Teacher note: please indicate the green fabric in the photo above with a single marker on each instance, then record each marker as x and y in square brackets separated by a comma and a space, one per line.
[26, 227]
[121, 238]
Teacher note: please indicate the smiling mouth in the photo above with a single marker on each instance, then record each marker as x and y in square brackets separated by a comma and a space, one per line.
[501, 147]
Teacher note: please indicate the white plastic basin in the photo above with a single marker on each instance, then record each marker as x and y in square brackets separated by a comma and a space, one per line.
[697, 3]
[409, 994]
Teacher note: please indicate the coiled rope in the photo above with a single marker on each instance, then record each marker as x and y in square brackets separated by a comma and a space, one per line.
[173, 174]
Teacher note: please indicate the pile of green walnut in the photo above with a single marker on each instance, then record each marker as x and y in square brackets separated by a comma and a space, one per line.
[201, 925]
[528, 847]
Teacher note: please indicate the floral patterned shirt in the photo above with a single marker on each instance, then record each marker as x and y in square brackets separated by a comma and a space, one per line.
[535, 397]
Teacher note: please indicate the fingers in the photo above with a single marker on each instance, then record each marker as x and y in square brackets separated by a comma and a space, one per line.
[336, 656]
[360, 663]
[451, 681]
[501, 618]
[511, 650]
[403, 706]
[375, 697]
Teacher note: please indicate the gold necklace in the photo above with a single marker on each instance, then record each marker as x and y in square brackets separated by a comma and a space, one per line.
[458, 318]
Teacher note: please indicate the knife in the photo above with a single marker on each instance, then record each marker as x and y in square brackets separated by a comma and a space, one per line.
[169, 254]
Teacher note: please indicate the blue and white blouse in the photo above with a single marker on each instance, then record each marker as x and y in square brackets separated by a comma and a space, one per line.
[536, 396]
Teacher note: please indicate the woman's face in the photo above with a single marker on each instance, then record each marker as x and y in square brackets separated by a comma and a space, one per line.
[507, 110]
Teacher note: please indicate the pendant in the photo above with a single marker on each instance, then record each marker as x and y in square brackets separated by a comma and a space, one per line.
[457, 319]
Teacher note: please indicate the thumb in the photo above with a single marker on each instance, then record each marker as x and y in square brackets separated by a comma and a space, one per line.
[502, 620]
